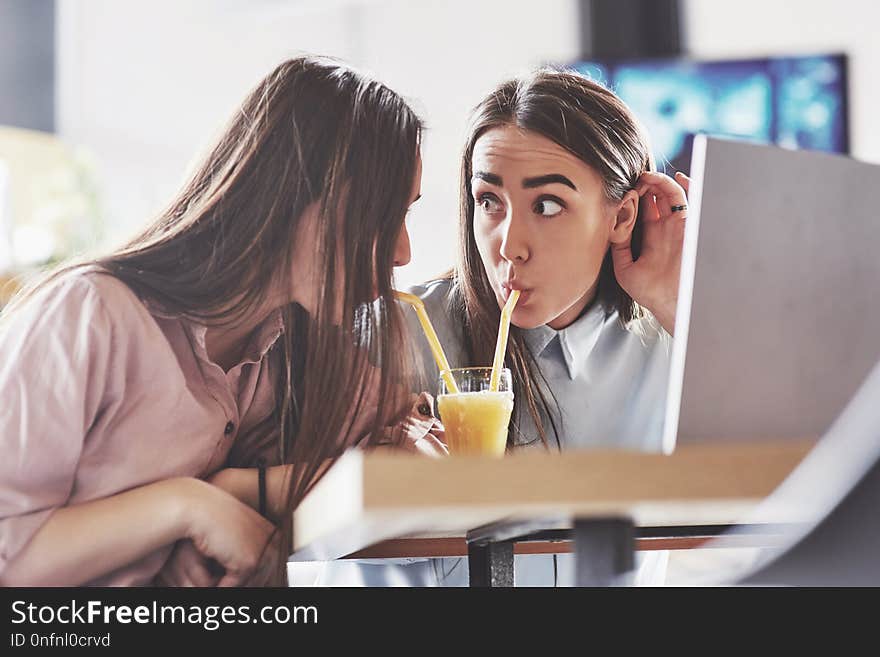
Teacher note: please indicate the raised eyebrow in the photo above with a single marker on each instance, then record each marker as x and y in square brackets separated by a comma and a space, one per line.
[539, 181]
[491, 178]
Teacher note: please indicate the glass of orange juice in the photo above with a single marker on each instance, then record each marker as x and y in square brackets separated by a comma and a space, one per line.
[475, 417]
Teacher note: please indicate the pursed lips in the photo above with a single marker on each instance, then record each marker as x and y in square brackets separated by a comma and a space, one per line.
[508, 286]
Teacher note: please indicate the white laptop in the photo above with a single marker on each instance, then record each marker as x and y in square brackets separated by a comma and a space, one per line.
[778, 319]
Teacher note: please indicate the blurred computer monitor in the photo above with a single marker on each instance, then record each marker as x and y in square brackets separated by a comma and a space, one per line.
[795, 102]
[777, 322]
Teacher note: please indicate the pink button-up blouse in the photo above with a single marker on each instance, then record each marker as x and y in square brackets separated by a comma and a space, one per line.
[99, 394]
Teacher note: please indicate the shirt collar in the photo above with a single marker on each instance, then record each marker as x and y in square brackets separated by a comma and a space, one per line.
[538, 338]
[264, 337]
[267, 334]
[576, 340]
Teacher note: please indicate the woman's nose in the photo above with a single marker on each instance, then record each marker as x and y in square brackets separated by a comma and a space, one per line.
[402, 252]
[514, 241]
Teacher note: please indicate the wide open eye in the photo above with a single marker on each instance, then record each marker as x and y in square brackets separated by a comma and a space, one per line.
[548, 207]
[489, 203]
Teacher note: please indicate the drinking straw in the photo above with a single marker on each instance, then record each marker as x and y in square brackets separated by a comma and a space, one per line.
[501, 344]
[431, 335]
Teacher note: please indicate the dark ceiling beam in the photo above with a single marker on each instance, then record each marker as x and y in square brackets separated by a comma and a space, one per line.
[630, 29]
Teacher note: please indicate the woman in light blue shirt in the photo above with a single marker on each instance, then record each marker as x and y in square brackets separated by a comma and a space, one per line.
[559, 201]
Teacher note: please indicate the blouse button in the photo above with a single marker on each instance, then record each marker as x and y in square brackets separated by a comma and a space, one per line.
[230, 427]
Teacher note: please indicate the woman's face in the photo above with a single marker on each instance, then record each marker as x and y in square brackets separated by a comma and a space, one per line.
[402, 252]
[542, 224]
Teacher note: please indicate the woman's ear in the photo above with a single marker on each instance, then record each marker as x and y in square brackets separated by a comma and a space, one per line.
[625, 217]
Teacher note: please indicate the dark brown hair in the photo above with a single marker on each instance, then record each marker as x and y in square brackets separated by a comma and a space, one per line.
[312, 131]
[593, 124]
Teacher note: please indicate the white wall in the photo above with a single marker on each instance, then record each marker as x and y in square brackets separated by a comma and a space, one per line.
[146, 85]
[750, 28]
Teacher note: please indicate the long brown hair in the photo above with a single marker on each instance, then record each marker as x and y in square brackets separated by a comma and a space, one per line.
[312, 131]
[593, 124]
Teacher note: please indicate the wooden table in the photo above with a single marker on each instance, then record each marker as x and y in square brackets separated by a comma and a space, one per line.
[386, 505]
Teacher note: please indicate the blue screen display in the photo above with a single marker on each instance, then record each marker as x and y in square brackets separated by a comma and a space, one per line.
[795, 102]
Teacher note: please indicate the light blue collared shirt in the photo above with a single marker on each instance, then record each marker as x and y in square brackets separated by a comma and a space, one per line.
[610, 382]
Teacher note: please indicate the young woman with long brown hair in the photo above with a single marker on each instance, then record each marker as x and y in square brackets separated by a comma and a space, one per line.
[559, 199]
[144, 391]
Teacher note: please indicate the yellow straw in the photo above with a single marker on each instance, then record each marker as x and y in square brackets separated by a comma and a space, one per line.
[433, 341]
[501, 344]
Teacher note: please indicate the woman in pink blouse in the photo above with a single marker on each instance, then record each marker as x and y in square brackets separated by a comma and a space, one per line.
[142, 392]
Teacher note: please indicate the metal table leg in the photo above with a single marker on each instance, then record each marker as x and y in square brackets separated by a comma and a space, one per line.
[490, 564]
[490, 548]
[604, 550]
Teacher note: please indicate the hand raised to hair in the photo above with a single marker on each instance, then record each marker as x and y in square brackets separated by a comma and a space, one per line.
[652, 279]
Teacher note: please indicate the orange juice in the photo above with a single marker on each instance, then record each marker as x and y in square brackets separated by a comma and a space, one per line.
[476, 422]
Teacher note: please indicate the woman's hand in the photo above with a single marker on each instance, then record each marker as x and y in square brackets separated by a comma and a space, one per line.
[231, 533]
[188, 567]
[418, 431]
[652, 280]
